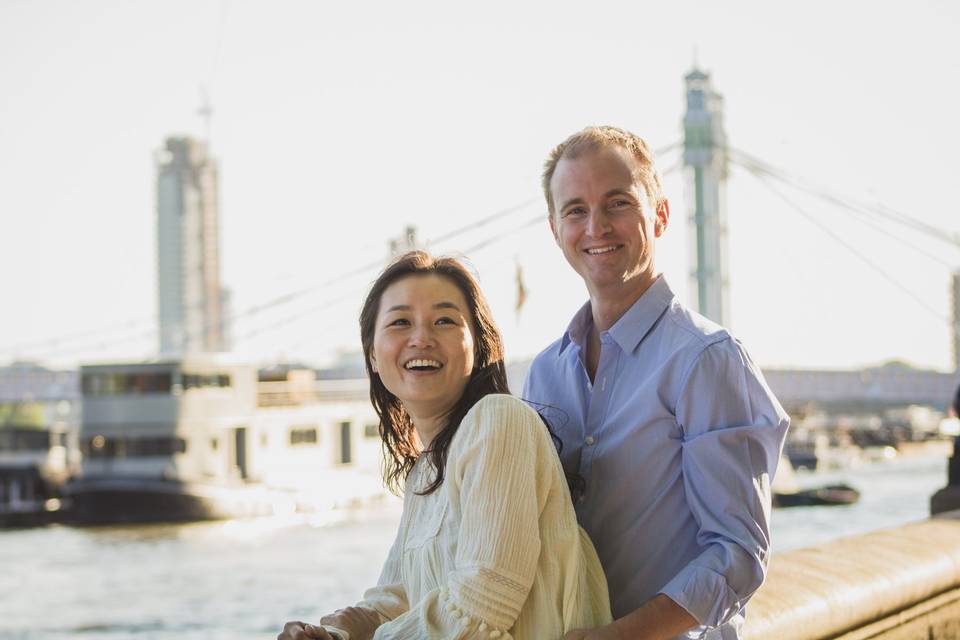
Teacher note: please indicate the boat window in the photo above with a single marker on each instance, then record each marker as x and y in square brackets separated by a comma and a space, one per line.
[303, 436]
[113, 384]
[124, 447]
[206, 380]
[346, 448]
[13, 439]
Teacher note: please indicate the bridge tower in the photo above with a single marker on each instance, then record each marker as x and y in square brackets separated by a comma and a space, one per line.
[705, 160]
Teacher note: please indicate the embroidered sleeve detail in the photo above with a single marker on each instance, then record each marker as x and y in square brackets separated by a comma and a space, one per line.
[493, 576]
[469, 623]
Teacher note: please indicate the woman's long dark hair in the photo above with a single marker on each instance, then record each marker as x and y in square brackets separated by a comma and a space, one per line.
[488, 376]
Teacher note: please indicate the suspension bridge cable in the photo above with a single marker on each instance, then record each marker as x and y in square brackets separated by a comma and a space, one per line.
[755, 164]
[865, 219]
[55, 346]
[763, 179]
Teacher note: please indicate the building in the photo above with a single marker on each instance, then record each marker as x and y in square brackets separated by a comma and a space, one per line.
[705, 159]
[893, 384]
[191, 301]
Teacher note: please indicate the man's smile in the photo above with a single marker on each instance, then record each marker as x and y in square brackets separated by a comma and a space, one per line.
[597, 251]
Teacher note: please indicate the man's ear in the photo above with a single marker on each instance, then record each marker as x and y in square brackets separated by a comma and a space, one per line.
[662, 217]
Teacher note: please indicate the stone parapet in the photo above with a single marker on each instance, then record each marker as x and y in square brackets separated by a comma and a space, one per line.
[867, 586]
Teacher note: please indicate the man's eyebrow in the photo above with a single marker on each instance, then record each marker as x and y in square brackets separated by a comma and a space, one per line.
[618, 192]
[570, 202]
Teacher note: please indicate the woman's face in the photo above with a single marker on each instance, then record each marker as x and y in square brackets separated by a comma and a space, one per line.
[423, 346]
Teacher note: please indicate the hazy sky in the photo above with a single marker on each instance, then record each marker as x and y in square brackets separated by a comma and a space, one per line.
[337, 124]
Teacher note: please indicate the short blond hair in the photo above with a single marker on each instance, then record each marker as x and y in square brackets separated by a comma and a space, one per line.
[593, 138]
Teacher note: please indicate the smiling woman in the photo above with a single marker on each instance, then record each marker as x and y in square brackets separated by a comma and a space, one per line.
[488, 545]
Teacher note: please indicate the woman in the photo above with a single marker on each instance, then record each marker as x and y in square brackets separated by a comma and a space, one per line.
[488, 544]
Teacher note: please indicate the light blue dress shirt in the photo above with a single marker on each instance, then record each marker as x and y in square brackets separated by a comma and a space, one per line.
[678, 439]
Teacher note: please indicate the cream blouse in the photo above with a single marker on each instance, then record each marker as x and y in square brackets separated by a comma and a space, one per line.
[496, 551]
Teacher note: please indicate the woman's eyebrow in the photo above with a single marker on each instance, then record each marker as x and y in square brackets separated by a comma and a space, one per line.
[398, 307]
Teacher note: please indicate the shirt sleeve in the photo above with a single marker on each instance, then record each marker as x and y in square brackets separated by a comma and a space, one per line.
[388, 598]
[497, 475]
[733, 434]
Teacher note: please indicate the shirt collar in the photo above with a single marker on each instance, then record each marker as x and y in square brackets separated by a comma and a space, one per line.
[632, 326]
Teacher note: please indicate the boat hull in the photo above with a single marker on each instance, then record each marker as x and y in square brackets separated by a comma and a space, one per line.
[117, 501]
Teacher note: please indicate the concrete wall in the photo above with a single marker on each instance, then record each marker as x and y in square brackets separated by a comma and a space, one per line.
[892, 584]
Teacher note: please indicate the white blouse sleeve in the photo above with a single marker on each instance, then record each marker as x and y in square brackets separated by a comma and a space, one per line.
[499, 477]
[388, 598]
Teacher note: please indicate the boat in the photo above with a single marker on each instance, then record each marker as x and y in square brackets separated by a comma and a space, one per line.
[204, 438]
[834, 494]
[38, 442]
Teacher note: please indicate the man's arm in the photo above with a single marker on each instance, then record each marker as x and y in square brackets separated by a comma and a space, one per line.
[659, 618]
[733, 432]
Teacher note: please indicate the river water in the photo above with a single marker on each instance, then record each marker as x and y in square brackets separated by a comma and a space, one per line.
[242, 579]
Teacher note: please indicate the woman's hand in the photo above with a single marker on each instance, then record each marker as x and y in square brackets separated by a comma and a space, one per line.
[303, 631]
[359, 622]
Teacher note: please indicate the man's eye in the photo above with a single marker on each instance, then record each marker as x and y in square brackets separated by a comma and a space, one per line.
[576, 211]
[617, 204]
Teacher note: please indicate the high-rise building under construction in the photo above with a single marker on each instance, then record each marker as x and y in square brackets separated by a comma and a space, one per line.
[191, 301]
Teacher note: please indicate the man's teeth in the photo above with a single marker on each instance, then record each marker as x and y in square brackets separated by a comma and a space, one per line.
[596, 252]
[422, 364]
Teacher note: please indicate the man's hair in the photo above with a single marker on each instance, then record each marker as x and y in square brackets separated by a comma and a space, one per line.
[594, 138]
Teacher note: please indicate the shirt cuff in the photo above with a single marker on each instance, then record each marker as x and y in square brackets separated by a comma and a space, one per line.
[704, 594]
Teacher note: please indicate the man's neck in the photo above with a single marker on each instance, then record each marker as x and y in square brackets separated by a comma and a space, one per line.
[607, 307]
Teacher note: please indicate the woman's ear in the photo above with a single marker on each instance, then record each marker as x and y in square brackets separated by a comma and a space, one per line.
[373, 363]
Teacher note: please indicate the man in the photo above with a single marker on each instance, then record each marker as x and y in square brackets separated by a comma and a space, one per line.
[661, 412]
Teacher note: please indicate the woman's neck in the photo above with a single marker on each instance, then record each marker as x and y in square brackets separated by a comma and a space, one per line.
[427, 428]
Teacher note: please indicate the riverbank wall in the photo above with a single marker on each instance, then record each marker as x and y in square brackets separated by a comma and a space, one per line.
[894, 584]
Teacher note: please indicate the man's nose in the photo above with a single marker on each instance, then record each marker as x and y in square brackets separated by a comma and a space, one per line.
[597, 223]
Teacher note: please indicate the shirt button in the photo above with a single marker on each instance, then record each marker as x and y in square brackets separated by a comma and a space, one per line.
[590, 440]
[581, 500]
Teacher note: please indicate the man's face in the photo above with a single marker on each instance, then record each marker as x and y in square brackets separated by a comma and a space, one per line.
[604, 222]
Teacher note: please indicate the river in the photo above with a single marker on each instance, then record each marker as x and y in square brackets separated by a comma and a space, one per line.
[242, 579]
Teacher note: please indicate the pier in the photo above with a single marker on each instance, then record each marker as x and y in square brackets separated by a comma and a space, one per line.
[894, 584]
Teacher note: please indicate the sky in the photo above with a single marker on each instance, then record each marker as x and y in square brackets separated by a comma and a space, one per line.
[336, 125]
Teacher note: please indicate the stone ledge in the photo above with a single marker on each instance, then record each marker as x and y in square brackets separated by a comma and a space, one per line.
[844, 585]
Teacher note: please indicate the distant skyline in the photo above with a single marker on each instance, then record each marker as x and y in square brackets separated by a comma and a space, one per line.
[336, 126]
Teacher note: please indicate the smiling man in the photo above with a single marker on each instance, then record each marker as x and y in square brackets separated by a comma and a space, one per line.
[663, 413]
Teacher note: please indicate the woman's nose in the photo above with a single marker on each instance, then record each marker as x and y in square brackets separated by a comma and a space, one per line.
[422, 336]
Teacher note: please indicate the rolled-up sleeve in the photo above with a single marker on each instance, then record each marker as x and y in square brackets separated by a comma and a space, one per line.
[733, 434]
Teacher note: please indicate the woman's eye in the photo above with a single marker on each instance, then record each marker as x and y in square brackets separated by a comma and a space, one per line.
[398, 322]
[445, 320]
